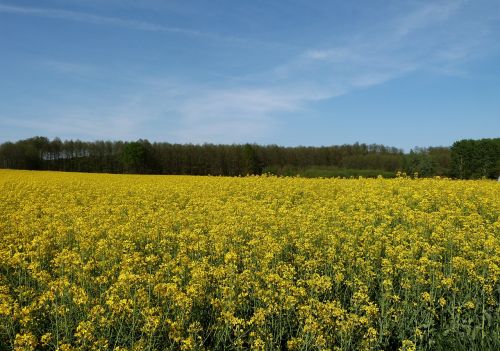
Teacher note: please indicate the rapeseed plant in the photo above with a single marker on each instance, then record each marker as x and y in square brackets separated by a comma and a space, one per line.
[125, 262]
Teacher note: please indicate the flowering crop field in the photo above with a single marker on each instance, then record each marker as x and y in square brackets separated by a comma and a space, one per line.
[128, 262]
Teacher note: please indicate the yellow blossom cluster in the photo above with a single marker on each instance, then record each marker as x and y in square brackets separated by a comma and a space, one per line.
[129, 262]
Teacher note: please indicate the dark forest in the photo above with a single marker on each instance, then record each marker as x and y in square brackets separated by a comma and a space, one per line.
[465, 159]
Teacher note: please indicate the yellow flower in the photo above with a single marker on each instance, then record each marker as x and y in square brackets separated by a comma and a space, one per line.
[46, 339]
[92, 261]
[408, 345]
[469, 305]
[442, 301]
[25, 342]
[426, 296]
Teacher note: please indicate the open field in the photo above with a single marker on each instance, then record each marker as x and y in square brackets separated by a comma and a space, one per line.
[102, 262]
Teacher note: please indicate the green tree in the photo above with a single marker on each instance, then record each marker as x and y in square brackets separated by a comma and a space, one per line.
[251, 164]
[133, 157]
[472, 159]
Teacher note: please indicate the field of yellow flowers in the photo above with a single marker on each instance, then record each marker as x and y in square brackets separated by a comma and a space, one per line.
[126, 262]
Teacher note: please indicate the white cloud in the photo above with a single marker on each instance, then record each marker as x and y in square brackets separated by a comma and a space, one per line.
[437, 37]
[331, 55]
[133, 24]
[425, 16]
[122, 118]
[105, 20]
[431, 37]
[70, 68]
[231, 115]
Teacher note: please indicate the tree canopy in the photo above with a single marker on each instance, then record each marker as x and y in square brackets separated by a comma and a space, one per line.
[465, 159]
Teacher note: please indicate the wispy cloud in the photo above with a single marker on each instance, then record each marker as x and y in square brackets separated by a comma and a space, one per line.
[437, 37]
[431, 37]
[426, 15]
[70, 68]
[107, 20]
[79, 123]
[228, 115]
[133, 24]
[122, 117]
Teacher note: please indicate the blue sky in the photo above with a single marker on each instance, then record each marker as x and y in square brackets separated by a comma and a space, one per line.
[295, 72]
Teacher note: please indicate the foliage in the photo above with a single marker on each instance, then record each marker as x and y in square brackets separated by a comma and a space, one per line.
[467, 159]
[476, 158]
[130, 262]
[208, 159]
[428, 162]
[137, 157]
[133, 156]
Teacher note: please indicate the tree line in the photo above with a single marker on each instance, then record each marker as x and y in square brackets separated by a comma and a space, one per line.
[471, 159]
[465, 159]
